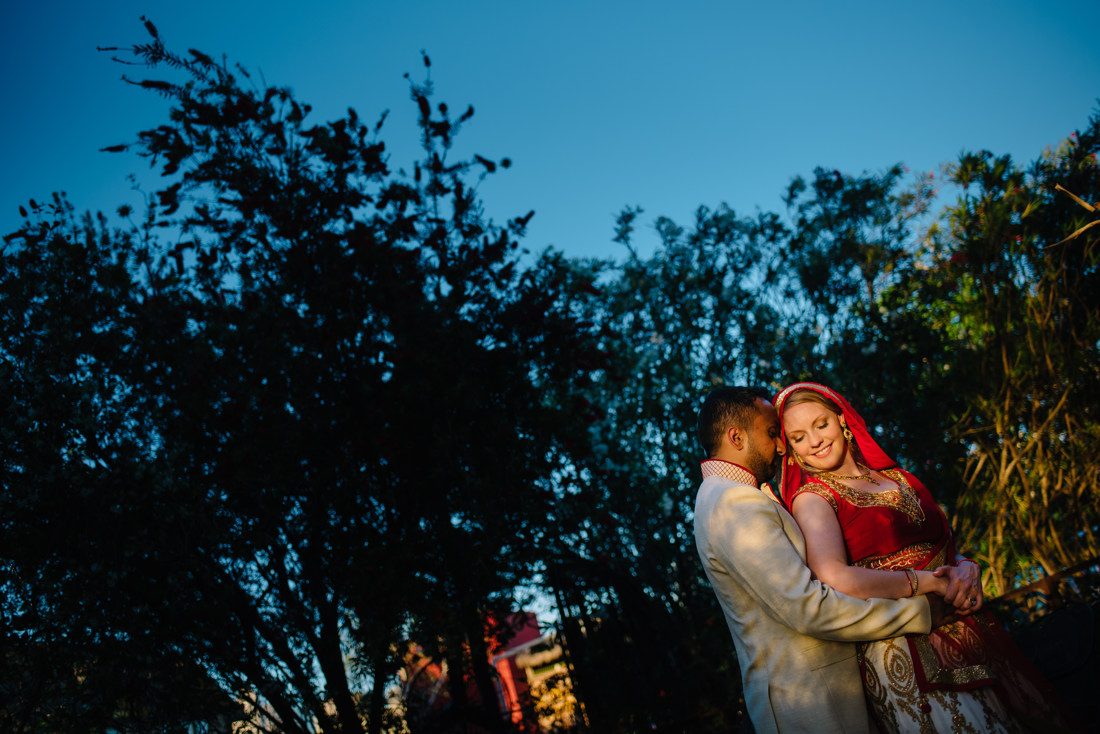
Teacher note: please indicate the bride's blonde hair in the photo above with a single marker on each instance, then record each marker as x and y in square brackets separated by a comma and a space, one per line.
[804, 395]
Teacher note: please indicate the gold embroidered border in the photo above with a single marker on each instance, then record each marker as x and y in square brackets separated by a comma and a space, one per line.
[921, 556]
[903, 499]
[781, 398]
[911, 556]
[815, 488]
[936, 675]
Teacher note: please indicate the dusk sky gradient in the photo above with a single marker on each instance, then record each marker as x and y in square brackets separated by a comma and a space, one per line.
[600, 105]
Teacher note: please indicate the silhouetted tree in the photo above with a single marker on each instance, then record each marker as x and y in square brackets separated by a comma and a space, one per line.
[285, 421]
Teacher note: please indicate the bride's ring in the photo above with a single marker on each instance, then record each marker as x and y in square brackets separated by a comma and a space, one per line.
[973, 602]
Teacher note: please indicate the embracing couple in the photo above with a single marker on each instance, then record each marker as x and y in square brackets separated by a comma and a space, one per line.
[849, 605]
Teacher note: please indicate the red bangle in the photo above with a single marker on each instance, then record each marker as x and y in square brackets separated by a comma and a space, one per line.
[911, 577]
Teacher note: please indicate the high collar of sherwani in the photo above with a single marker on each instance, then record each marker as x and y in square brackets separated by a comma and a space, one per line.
[736, 472]
[728, 470]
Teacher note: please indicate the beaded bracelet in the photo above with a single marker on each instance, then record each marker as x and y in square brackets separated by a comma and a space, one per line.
[968, 560]
[911, 577]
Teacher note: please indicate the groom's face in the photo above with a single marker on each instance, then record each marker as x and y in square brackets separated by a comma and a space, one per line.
[765, 444]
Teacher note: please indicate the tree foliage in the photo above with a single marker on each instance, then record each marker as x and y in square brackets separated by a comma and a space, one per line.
[288, 419]
[1013, 304]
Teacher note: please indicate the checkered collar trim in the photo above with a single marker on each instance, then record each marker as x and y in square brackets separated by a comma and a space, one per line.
[728, 470]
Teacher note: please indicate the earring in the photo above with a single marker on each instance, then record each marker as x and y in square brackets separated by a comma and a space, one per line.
[848, 435]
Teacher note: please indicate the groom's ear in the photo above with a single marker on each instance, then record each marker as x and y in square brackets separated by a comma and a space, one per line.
[735, 436]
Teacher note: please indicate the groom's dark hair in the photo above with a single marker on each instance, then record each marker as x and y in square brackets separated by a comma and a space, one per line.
[724, 407]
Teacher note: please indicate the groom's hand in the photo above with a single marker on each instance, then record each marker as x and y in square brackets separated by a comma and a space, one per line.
[942, 613]
[964, 586]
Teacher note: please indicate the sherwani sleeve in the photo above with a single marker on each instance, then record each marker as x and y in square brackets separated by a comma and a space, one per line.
[748, 541]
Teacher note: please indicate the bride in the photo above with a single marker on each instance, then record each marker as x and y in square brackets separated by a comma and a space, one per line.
[873, 530]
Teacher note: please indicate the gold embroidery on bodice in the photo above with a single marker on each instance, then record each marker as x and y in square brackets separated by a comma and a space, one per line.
[903, 498]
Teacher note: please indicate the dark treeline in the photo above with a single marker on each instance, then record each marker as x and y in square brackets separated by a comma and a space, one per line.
[309, 405]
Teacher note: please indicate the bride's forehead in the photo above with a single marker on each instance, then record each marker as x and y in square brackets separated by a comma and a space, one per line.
[801, 412]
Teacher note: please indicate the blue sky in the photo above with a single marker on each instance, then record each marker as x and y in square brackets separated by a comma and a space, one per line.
[601, 105]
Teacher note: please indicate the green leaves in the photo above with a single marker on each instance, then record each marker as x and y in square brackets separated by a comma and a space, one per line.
[1009, 297]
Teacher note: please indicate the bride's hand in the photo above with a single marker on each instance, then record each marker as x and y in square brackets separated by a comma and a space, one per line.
[964, 586]
[932, 583]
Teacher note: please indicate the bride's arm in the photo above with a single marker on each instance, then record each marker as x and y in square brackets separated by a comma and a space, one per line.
[828, 559]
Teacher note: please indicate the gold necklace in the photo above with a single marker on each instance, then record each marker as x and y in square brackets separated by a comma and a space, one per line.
[865, 473]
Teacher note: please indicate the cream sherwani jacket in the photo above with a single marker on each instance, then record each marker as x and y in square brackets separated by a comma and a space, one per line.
[792, 633]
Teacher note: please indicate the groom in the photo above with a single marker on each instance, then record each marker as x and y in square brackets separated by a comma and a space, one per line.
[793, 634]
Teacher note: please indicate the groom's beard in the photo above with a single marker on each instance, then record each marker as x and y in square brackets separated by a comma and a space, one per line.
[762, 468]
